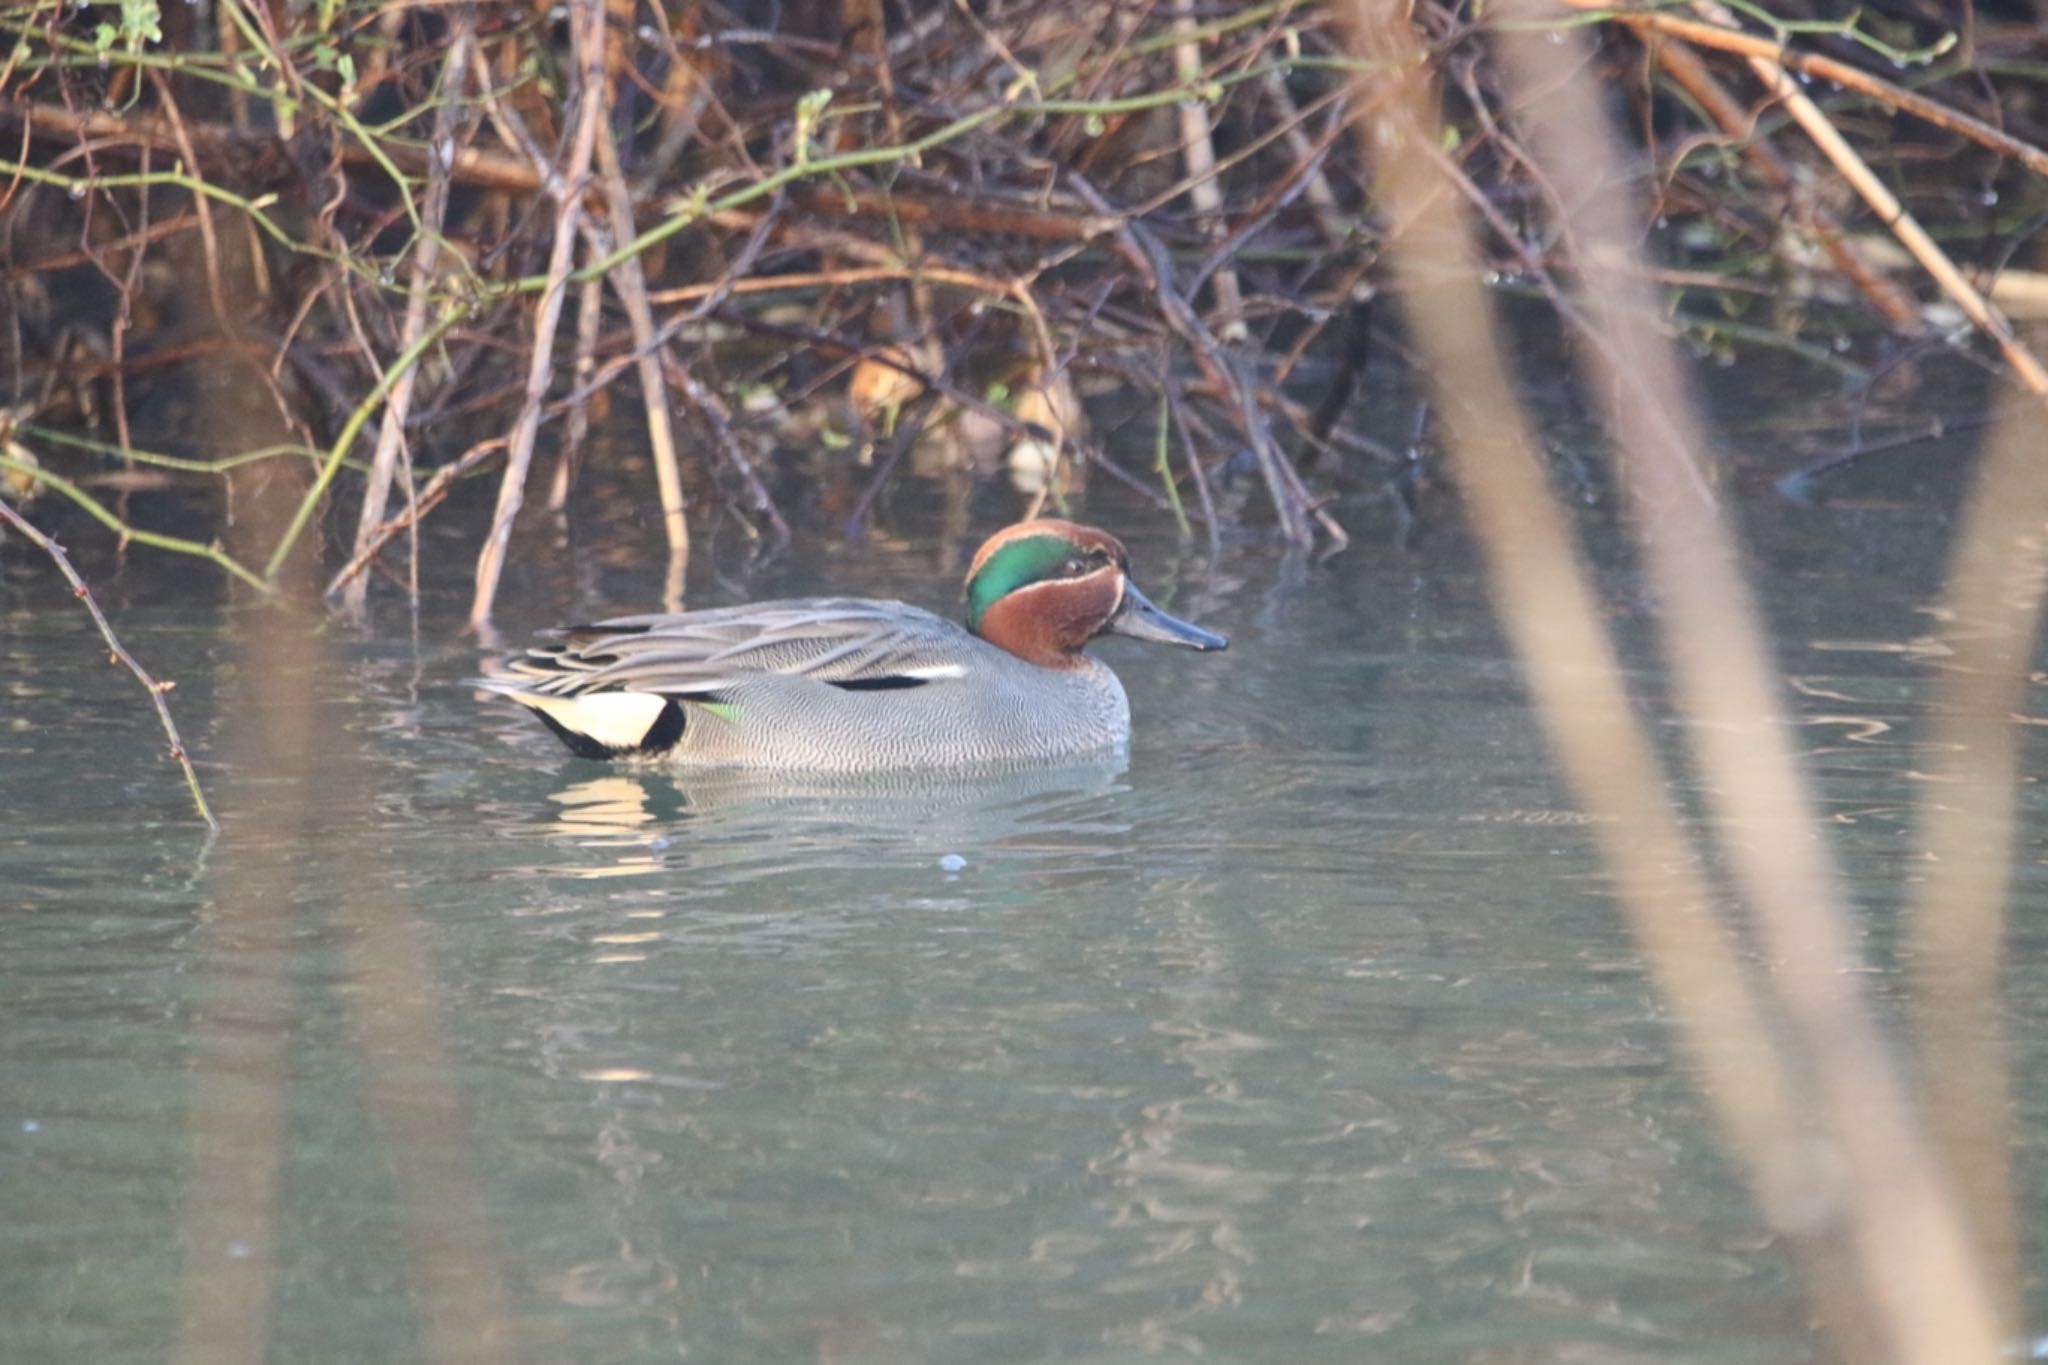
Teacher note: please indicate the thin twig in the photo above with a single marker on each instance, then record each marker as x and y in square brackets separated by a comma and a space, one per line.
[589, 325]
[587, 23]
[1769, 61]
[1895, 304]
[431, 495]
[120, 653]
[425, 270]
[157, 539]
[1291, 503]
[714, 417]
[630, 283]
[1720, 32]
[1198, 149]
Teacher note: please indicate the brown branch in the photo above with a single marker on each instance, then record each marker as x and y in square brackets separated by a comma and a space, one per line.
[629, 282]
[714, 417]
[483, 168]
[1291, 502]
[431, 495]
[473, 167]
[1898, 307]
[426, 266]
[587, 22]
[1887, 207]
[1721, 37]
[149, 236]
[118, 652]
[980, 214]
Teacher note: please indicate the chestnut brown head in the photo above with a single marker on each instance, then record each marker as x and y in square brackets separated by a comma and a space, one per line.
[1043, 589]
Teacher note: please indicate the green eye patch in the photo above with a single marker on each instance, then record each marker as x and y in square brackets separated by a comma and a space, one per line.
[1019, 564]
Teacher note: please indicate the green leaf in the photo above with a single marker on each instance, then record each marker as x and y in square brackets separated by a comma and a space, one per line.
[141, 22]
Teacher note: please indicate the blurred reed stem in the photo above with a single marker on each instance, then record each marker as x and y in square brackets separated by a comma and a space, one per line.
[1882, 1239]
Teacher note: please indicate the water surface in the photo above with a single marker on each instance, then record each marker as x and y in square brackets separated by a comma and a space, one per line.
[1308, 1034]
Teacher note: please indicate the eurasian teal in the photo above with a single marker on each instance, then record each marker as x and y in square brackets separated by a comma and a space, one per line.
[848, 684]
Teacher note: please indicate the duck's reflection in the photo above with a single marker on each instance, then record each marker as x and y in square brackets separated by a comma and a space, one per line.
[656, 819]
[609, 812]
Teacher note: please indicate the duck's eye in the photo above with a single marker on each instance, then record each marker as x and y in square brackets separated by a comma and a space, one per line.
[1074, 567]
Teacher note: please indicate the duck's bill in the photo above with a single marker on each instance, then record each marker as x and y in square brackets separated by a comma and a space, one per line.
[1139, 619]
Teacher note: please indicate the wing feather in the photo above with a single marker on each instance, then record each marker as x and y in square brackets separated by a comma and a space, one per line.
[695, 654]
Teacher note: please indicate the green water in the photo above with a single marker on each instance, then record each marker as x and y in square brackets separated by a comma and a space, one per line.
[1310, 1035]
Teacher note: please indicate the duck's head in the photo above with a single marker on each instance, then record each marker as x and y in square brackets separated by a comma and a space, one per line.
[1043, 589]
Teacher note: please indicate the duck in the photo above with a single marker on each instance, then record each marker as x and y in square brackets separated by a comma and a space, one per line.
[850, 684]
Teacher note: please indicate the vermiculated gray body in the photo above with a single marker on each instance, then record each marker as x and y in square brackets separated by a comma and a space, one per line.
[793, 722]
[837, 684]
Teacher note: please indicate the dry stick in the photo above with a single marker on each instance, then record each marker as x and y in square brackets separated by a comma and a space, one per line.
[590, 293]
[589, 324]
[589, 51]
[426, 265]
[975, 215]
[1143, 488]
[1278, 196]
[1322, 199]
[1722, 34]
[867, 26]
[1888, 209]
[1991, 619]
[483, 168]
[473, 167]
[764, 228]
[155, 689]
[1895, 304]
[1291, 503]
[1771, 71]
[330, 465]
[714, 416]
[125, 287]
[1195, 471]
[182, 137]
[511, 128]
[1925, 1291]
[1275, 135]
[1198, 150]
[630, 283]
[1545, 598]
[430, 496]
[134, 241]
[828, 279]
